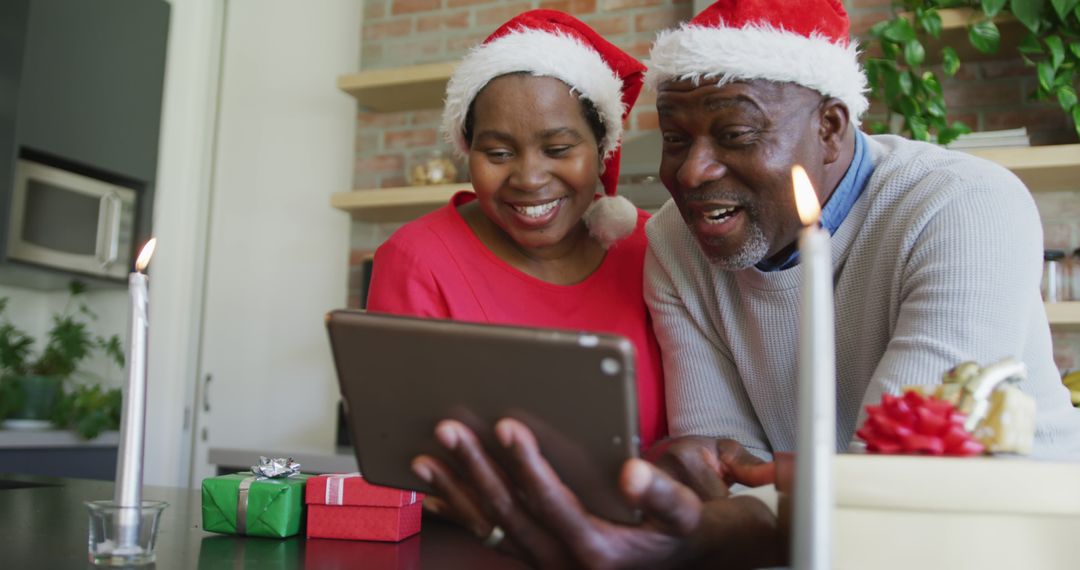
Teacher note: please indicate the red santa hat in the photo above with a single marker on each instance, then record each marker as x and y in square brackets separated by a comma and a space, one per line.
[799, 42]
[553, 44]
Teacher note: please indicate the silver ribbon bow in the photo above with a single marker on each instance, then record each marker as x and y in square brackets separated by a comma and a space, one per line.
[276, 468]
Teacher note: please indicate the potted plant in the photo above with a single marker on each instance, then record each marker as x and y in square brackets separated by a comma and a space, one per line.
[34, 387]
[912, 92]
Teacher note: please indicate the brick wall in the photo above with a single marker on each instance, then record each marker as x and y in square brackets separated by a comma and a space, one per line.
[987, 96]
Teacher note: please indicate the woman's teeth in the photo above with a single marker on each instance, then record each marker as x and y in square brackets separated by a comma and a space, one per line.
[718, 215]
[537, 210]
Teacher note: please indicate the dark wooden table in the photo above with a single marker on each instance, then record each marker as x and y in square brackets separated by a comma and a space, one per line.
[43, 525]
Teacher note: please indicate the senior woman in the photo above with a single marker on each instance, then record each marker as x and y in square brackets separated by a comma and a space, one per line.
[537, 110]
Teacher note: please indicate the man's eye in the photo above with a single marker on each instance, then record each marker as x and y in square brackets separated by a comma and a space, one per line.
[737, 135]
[672, 139]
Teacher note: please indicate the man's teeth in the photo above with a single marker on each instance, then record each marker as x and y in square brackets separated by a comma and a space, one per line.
[719, 214]
[538, 210]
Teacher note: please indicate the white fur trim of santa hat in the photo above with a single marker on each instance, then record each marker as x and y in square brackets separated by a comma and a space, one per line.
[760, 52]
[540, 53]
[610, 219]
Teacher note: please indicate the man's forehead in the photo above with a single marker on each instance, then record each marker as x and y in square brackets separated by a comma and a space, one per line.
[708, 92]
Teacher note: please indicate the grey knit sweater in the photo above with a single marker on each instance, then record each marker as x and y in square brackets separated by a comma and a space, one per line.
[937, 263]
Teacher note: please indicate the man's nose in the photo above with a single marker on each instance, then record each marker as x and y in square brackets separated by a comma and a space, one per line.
[702, 165]
[530, 173]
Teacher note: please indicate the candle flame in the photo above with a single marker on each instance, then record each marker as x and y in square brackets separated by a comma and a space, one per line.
[805, 198]
[145, 254]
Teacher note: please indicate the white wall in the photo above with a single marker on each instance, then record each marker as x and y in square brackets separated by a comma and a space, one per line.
[277, 251]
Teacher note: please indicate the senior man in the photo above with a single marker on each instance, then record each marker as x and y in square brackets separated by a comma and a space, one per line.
[936, 259]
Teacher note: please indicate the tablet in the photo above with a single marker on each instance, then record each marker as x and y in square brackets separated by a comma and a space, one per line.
[400, 376]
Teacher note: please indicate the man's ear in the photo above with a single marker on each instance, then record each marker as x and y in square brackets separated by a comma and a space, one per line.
[833, 128]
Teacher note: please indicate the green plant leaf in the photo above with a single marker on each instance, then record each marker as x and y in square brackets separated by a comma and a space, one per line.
[878, 127]
[1029, 45]
[1076, 115]
[992, 7]
[950, 60]
[1063, 7]
[1074, 47]
[76, 287]
[878, 29]
[930, 21]
[1057, 51]
[985, 36]
[1046, 75]
[930, 83]
[918, 129]
[914, 53]
[1029, 12]
[890, 50]
[1066, 96]
[899, 30]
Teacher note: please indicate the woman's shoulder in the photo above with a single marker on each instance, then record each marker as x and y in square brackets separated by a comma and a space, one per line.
[436, 229]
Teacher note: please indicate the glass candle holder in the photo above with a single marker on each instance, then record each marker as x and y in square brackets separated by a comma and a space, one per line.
[105, 518]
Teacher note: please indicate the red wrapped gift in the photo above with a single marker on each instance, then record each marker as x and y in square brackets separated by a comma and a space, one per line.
[346, 506]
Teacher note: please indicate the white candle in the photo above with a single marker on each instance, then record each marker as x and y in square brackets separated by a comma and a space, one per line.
[129, 459]
[816, 443]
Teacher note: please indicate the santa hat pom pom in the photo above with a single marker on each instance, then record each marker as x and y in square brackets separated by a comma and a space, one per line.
[610, 219]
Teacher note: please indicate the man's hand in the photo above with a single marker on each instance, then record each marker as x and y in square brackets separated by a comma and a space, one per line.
[710, 466]
[547, 525]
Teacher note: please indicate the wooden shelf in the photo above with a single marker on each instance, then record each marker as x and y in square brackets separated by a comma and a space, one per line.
[1066, 314]
[954, 24]
[391, 205]
[399, 89]
[1042, 168]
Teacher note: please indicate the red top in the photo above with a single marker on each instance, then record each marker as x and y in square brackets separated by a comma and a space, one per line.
[436, 267]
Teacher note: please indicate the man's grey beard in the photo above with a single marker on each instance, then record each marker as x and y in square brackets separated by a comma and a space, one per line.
[754, 249]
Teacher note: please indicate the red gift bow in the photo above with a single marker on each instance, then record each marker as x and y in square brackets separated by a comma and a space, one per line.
[914, 424]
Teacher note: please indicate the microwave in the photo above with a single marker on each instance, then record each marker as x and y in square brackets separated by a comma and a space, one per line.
[68, 221]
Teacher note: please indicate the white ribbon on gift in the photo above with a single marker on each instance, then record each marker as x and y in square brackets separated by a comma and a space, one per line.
[335, 488]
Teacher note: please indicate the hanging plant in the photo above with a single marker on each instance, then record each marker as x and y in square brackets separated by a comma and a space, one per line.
[900, 79]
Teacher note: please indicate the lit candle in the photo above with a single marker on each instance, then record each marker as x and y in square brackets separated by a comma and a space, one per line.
[817, 387]
[129, 459]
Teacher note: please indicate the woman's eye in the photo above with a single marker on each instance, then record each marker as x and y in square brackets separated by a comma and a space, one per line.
[498, 154]
[559, 150]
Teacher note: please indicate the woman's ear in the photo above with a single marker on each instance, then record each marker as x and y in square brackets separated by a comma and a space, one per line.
[833, 127]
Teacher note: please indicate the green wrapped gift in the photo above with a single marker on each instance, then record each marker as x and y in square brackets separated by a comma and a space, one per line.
[254, 505]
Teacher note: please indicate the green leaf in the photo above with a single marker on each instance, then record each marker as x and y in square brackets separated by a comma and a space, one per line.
[878, 29]
[992, 7]
[985, 36]
[931, 22]
[1074, 47]
[1057, 51]
[935, 108]
[950, 60]
[905, 82]
[914, 53]
[76, 288]
[918, 129]
[1066, 96]
[878, 128]
[899, 30]
[1029, 12]
[1046, 75]
[931, 84]
[890, 50]
[1063, 7]
[1076, 115]
[1029, 45]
